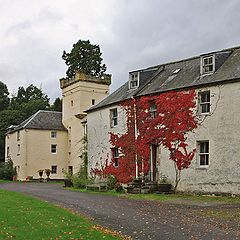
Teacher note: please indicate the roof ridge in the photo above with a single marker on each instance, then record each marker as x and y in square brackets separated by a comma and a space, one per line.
[30, 119]
[186, 59]
[49, 111]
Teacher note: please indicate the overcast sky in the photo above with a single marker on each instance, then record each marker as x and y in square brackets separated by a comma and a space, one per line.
[132, 34]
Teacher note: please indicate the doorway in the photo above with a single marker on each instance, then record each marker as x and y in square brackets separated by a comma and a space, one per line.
[153, 162]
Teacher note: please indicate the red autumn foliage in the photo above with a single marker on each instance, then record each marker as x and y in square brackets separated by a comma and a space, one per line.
[173, 119]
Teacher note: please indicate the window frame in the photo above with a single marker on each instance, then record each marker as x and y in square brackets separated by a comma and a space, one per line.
[54, 152]
[202, 104]
[205, 153]
[18, 149]
[18, 135]
[55, 167]
[54, 136]
[204, 65]
[113, 117]
[134, 78]
[153, 110]
[115, 156]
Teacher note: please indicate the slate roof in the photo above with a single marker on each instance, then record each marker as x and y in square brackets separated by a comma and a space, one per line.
[45, 120]
[162, 77]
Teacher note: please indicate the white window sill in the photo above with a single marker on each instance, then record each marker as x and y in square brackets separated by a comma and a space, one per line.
[202, 168]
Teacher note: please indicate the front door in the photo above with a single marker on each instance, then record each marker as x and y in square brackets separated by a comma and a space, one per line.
[153, 163]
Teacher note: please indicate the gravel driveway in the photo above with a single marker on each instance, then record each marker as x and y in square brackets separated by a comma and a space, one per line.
[139, 219]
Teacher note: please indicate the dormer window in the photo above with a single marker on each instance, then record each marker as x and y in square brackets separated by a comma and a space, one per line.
[207, 64]
[133, 80]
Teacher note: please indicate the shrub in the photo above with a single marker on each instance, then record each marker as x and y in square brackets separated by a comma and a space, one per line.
[7, 171]
[111, 181]
[80, 179]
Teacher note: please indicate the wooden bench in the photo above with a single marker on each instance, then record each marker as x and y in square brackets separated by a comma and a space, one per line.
[101, 186]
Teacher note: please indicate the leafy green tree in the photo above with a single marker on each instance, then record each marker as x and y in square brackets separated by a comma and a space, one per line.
[7, 171]
[7, 118]
[57, 105]
[4, 99]
[29, 100]
[85, 57]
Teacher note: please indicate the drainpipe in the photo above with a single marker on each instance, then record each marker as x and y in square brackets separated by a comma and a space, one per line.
[135, 133]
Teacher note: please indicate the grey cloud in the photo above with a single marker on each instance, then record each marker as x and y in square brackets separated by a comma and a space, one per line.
[134, 34]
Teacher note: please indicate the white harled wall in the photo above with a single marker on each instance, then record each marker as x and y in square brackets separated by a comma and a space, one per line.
[220, 128]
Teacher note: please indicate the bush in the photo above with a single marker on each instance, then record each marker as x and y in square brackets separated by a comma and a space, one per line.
[111, 182]
[7, 171]
[119, 188]
[80, 179]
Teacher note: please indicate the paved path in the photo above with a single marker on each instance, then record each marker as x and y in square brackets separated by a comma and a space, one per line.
[139, 219]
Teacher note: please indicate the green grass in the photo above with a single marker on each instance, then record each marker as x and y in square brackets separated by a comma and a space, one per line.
[23, 217]
[167, 197]
[3, 181]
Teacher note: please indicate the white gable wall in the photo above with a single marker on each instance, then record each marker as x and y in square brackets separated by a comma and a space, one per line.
[99, 127]
[221, 129]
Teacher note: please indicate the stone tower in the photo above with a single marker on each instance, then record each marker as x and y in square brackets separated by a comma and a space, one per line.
[79, 94]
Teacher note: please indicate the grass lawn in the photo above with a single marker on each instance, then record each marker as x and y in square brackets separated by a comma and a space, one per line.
[3, 181]
[167, 197]
[23, 217]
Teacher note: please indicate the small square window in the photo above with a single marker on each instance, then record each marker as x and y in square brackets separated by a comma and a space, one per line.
[54, 148]
[54, 169]
[115, 156]
[114, 117]
[204, 102]
[53, 134]
[208, 64]
[203, 153]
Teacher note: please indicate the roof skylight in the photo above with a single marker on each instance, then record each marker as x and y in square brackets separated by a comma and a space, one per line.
[177, 71]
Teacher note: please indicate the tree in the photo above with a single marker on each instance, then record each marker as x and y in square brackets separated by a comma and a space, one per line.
[29, 100]
[7, 171]
[7, 118]
[57, 105]
[4, 99]
[85, 57]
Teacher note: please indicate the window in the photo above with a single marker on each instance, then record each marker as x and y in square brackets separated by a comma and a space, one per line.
[70, 169]
[54, 148]
[18, 149]
[115, 156]
[133, 80]
[153, 110]
[93, 101]
[203, 153]
[53, 134]
[8, 152]
[71, 103]
[54, 169]
[208, 64]
[204, 102]
[18, 135]
[114, 117]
